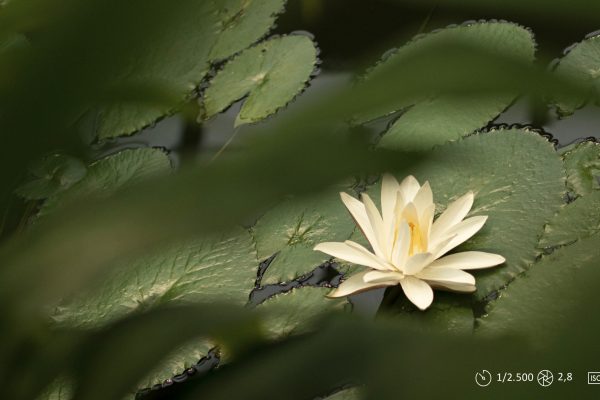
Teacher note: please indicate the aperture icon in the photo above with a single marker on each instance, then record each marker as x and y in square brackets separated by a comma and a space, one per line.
[545, 378]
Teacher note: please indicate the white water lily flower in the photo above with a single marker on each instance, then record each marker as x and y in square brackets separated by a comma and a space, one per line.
[408, 245]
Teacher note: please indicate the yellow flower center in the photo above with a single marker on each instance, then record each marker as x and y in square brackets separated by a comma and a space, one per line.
[416, 240]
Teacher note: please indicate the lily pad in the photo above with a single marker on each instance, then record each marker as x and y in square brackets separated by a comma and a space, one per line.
[575, 221]
[217, 269]
[582, 163]
[243, 22]
[497, 37]
[271, 73]
[442, 119]
[54, 174]
[177, 57]
[447, 314]
[347, 394]
[109, 174]
[294, 312]
[207, 269]
[538, 303]
[61, 389]
[582, 64]
[177, 362]
[294, 227]
[220, 268]
[518, 181]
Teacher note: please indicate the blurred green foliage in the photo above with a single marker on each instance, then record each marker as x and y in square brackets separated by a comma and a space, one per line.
[73, 73]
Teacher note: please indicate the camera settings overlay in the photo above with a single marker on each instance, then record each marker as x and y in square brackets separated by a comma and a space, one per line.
[593, 378]
[543, 378]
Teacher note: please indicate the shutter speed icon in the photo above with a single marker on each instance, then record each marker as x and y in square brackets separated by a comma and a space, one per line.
[483, 378]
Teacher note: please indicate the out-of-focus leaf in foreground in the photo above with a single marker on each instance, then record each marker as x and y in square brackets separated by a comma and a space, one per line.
[106, 176]
[536, 304]
[117, 355]
[437, 119]
[362, 352]
[566, 12]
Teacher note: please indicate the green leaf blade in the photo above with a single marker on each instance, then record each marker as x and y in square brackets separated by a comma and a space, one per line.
[537, 304]
[271, 73]
[243, 23]
[582, 163]
[452, 117]
[581, 64]
[294, 227]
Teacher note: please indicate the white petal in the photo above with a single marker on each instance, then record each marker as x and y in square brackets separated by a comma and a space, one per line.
[417, 262]
[425, 221]
[377, 225]
[455, 287]
[438, 249]
[353, 253]
[451, 275]
[402, 245]
[357, 209]
[417, 291]
[453, 214]
[410, 214]
[355, 284]
[380, 276]
[409, 188]
[468, 260]
[463, 231]
[389, 195]
[424, 197]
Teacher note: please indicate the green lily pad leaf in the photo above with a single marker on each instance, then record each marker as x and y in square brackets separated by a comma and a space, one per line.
[221, 268]
[294, 227]
[217, 269]
[518, 181]
[54, 174]
[347, 394]
[442, 119]
[290, 263]
[537, 303]
[581, 64]
[294, 312]
[582, 163]
[575, 221]
[177, 362]
[498, 37]
[61, 389]
[208, 269]
[109, 174]
[243, 23]
[175, 56]
[271, 73]
[448, 313]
